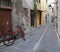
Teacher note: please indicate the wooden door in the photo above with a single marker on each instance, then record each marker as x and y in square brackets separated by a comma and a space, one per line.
[40, 17]
[6, 23]
[32, 17]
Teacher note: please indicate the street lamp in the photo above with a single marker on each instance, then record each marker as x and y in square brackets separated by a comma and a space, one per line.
[50, 13]
[50, 6]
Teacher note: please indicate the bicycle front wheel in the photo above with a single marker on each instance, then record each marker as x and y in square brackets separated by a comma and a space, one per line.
[8, 40]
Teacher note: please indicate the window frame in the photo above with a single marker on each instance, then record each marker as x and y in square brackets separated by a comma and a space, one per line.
[6, 2]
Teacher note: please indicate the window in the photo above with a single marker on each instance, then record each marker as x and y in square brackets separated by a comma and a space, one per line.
[5, 2]
[1, 2]
[46, 1]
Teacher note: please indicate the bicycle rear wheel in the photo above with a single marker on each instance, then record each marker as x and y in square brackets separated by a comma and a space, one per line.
[8, 40]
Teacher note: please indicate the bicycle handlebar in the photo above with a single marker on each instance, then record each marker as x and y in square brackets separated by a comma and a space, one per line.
[19, 25]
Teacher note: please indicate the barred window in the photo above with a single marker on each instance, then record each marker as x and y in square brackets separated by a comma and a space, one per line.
[6, 2]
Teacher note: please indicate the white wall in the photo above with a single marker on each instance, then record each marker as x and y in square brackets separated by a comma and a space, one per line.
[55, 12]
[16, 13]
[28, 4]
[59, 16]
[50, 15]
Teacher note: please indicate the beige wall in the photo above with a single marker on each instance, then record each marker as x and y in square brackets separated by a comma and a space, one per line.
[43, 18]
[44, 9]
[38, 19]
[42, 6]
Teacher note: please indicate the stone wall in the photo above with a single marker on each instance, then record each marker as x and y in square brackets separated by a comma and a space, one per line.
[16, 13]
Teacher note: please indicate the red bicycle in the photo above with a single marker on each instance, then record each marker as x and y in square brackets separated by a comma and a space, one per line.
[19, 33]
[9, 38]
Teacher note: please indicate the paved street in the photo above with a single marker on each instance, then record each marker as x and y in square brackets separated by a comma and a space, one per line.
[50, 42]
[41, 38]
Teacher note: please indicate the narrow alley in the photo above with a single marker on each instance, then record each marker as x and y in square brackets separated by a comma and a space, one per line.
[41, 39]
[37, 21]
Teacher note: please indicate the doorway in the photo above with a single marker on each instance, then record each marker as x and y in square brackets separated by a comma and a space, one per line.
[5, 22]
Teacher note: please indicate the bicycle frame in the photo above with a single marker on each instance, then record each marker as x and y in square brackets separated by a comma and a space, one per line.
[19, 31]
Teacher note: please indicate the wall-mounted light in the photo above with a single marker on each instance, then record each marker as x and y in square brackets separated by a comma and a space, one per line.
[50, 5]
